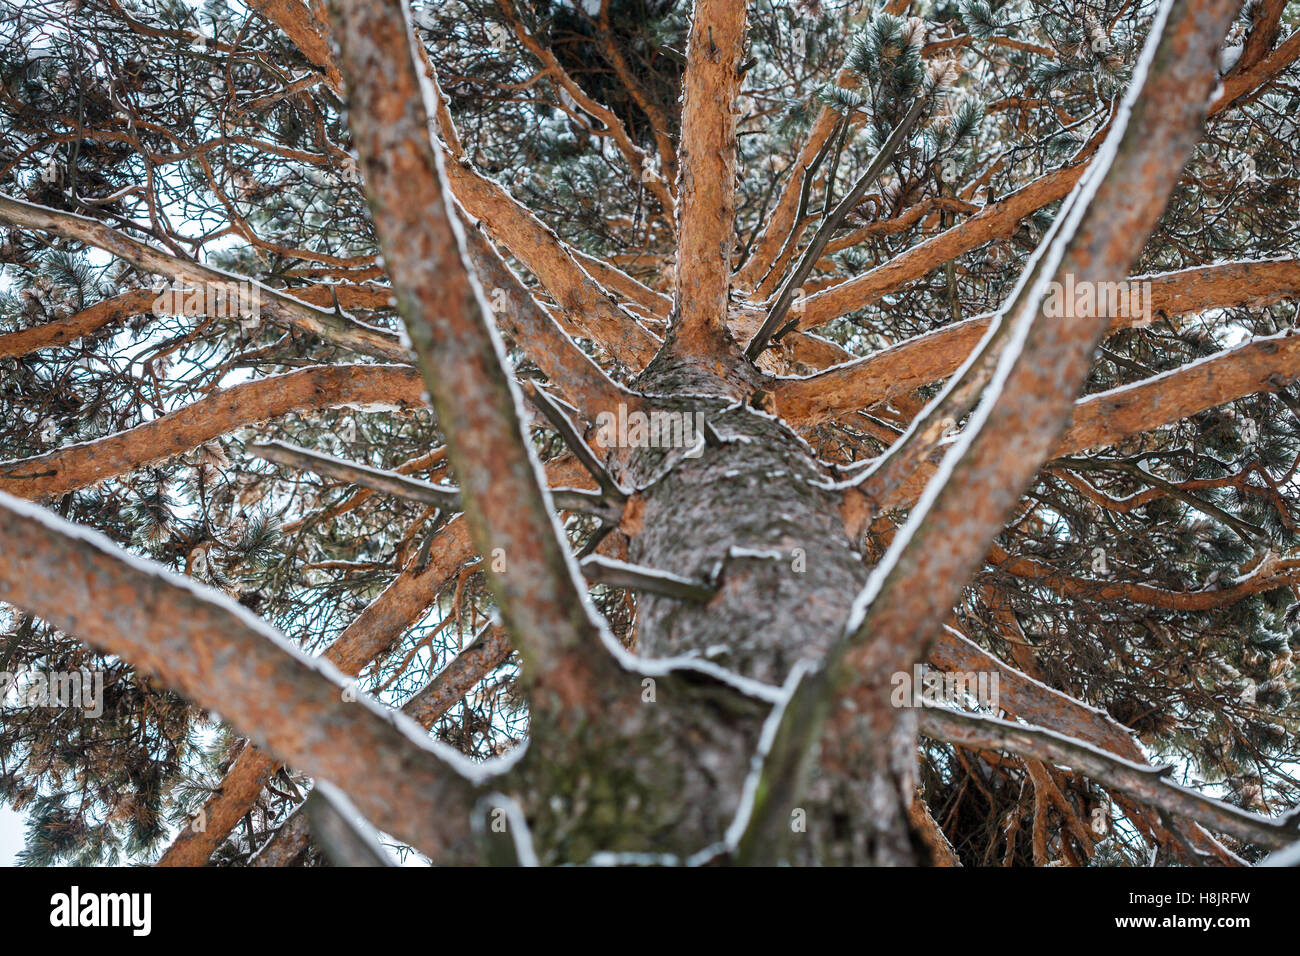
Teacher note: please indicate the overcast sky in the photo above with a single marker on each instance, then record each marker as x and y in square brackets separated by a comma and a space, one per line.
[11, 835]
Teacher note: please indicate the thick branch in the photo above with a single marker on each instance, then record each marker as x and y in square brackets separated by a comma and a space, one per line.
[212, 416]
[80, 324]
[914, 587]
[367, 638]
[927, 358]
[997, 220]
[1246, 84]
[1108, 418]
[1031, 398]
[485, 654]
[1261, 365]
[506, 506]
[207, 647]
[371, 634]
[706, 185]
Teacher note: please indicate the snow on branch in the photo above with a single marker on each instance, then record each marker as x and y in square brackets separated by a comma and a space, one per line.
[914, 587]
[927, 358]
[219, 413]
[215, 652]
[509, 513]
[446, 497]
[334, 327]
[1147, 784]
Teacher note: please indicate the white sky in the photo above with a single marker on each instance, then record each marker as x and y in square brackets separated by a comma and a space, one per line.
[11, 835]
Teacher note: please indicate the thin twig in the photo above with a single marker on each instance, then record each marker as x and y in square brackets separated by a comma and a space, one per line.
[602, 570]
[581, 451]
[445, 497]
[827, 229]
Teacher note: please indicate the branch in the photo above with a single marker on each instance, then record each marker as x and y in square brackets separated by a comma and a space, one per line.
[506, 506]
[706, 183]
[791, 287]
[1020, 695]
[586, 307]
[1239, 87]
[82, 323]
[659, 120]
[1033, 701]
[574, 442]
[488, 651]
[997, 220]
[307, 32]
[485, 654]
[1260, 365]
[1149, 785]
[1031, 397]
[784, 217]
[389, 482]
[370, 635]
[620, 574]
[336, 329]
[539, 335]
[1268, 574]
[346, 838]
[374, 631]
[214, 415]
[413, 489]
[619, 281]
[1265, 25]
[1001, 219]
[1107, 418]
[1249, 533]
[914, 587]
[213, 651]
[635, 157]
[918, 361]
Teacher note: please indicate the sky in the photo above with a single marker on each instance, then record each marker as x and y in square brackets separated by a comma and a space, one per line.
[11, 835]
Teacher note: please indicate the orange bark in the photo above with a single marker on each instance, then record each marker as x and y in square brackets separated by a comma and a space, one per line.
[706, 185]
[217, 414]
[927, 358]
[277, 305]
[447, 318]
[219, 656]
[366, 639]
[83, 323]
[373, 631]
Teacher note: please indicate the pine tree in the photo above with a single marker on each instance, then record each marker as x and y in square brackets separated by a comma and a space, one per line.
[652, 196]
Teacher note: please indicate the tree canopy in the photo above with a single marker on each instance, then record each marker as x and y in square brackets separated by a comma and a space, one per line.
[315, 314]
